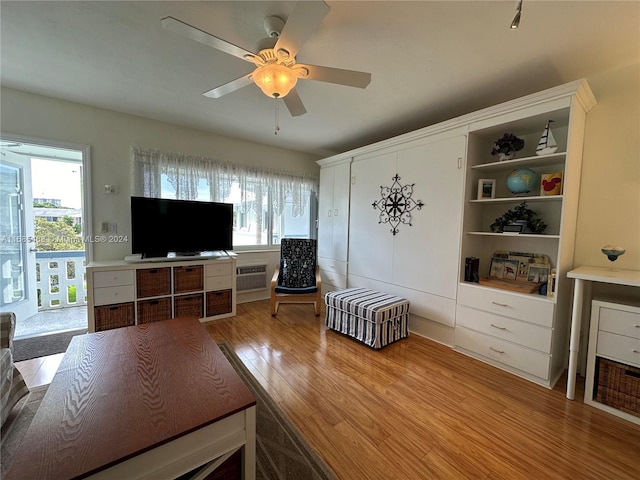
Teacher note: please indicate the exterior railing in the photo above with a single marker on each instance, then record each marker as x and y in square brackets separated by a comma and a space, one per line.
[61, 279]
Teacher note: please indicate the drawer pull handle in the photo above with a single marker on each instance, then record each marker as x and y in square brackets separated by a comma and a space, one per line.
[637, 326]
[498, 327]
[635, 351]
[500, 304]
[496, 350]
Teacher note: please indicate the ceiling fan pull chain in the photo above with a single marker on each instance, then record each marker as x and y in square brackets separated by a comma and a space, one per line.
[277, 117]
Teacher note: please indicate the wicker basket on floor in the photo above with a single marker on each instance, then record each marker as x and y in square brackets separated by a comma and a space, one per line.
[618, 386]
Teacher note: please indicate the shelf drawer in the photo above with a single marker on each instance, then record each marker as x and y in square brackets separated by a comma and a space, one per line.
[217, 269]
[618, 386]
[219, 303]
[331, 265]
[153, 282]
[112, 278]
[110, 295]
[622, 322]
[114, 316]
[526, 334]
[217, 283]
[625, 349]
[533, 309]
[503, 352]
[189, 305]
[154, 310]
[188, 279]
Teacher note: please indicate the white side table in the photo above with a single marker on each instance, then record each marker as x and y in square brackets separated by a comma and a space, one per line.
[590, 274]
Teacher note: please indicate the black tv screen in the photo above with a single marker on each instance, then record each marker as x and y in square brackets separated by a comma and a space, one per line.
[161, 226]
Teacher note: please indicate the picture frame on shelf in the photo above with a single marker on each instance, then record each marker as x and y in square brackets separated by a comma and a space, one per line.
[538, 273]
[503, 268]
[551, 183]
[486, 188]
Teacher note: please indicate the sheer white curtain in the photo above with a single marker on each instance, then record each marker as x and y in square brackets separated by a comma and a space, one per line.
[185, 172]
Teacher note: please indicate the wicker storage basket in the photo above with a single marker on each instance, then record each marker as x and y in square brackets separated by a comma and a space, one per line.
[153, 282]
[189, 305]
[114, 316]
[219, 302]
[618, 385]
[188, 279]
[154, 310]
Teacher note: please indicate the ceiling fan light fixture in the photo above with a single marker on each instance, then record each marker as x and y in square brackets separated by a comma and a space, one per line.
[275, 80]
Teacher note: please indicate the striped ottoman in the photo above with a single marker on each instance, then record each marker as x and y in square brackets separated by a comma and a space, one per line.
[374, 318]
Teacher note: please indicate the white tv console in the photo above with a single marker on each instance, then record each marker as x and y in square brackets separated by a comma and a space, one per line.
[174, 257]
[123, 293]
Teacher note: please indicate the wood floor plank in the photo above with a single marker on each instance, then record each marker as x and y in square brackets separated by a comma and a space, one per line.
[417, 409]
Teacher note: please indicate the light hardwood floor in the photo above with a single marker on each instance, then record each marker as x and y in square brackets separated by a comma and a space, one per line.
[418, 410]
[39, 371]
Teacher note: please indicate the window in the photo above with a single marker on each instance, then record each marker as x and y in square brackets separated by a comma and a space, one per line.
[268, 205]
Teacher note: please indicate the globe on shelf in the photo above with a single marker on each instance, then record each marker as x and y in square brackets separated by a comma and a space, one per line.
[522, 181]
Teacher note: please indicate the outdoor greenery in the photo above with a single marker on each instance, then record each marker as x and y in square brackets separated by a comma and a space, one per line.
[71, 293]
[55, 236]
[47, 205]
[71, 222]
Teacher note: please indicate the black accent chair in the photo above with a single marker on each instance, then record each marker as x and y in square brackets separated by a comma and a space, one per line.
[297, 278]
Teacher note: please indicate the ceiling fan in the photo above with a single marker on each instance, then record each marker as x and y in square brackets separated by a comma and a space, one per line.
[276, 71]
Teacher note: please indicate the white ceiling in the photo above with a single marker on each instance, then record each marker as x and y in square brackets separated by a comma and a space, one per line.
[430, 61]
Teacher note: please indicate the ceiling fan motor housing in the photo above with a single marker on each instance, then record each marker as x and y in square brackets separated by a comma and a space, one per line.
[273, 26]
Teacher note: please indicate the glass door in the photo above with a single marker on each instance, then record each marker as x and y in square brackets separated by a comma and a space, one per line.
[17, 243]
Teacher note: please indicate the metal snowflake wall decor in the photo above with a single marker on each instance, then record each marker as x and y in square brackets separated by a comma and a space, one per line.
[396, 204]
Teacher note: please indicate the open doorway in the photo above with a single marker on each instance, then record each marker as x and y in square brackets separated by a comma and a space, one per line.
[42, 250]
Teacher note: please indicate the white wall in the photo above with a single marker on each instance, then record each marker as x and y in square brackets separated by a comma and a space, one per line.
[609, 207]
[111, 134]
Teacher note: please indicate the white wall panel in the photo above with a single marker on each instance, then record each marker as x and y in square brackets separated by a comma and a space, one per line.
[370, 242]
[426, 252]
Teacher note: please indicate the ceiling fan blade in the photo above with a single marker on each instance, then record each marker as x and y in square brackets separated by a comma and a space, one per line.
[186, 30]
[351, 78]
[229, 87]
[304, 20]
[294, 103]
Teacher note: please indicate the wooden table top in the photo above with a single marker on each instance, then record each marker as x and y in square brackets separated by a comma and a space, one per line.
[121, 392]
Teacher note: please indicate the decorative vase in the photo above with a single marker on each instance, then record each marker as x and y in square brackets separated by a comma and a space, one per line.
[521, 223]
[506, 156]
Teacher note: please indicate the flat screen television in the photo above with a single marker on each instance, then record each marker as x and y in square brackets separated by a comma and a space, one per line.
[161, 226]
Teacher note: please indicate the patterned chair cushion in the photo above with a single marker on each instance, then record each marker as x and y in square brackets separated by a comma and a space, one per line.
[297, 263]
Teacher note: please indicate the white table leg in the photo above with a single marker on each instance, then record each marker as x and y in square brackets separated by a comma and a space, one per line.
[574, 345]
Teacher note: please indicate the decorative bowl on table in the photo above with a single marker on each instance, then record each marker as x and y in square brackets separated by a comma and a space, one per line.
[612, 252]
